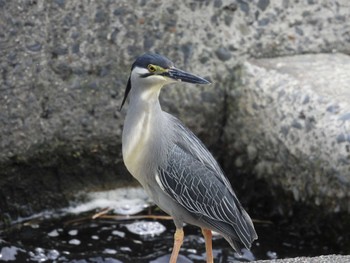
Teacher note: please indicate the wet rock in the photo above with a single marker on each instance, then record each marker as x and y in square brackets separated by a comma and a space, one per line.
[143, 228]
[9, 253]
[123, 201]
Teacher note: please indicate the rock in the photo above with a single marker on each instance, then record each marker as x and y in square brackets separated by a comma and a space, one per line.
[320, 259]
[223, 53]
[294, 111]
[263, 4]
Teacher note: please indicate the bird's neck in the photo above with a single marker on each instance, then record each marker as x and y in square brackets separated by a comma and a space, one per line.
[141, 129]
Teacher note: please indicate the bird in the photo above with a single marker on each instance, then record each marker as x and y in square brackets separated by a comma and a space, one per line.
[171, 163]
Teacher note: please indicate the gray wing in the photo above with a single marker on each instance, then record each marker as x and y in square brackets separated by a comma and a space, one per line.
[196, 185]
[188, 141]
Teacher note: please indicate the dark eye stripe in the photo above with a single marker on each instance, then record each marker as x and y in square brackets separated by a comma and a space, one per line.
[146, 75]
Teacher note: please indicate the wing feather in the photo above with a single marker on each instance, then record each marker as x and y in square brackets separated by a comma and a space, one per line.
[190, 143]
[198, 189]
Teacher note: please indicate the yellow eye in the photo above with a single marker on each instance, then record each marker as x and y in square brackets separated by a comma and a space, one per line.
[151, 68]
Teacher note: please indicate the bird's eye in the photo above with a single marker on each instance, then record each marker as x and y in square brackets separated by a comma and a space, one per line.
[151, 68]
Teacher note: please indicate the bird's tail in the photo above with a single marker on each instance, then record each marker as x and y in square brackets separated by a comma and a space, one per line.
[244, 235]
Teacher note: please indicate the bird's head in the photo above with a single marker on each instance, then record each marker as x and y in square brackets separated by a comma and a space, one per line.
[152, 71]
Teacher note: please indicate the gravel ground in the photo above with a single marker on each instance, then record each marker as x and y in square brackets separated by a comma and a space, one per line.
[320, 259]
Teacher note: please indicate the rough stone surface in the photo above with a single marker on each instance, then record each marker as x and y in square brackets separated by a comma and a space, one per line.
[290, 121]
[320, 259]
[64, 66]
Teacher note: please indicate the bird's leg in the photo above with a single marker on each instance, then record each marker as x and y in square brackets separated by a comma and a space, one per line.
[208, 244]
[178, 239]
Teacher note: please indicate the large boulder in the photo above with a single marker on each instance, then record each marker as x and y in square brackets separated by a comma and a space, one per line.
[289, 123]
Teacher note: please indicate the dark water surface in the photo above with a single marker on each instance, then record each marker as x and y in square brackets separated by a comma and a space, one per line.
[79, 238]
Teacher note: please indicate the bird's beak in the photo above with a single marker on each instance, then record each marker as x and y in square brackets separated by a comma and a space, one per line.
[180, 75]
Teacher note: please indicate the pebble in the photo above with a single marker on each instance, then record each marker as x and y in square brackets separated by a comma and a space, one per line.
[53, 233]
[73, 232]
[118, 233]
[223, 53]
[109, 251]
[34, 47]
[74, 242]
[146, 228]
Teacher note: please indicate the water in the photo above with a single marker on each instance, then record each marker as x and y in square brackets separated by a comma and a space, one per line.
[79, 239]
[72, 235]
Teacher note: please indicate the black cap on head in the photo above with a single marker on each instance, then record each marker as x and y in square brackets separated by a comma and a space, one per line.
[152, 58]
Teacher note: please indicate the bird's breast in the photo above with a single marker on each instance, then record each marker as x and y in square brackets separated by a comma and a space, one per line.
[136, 138]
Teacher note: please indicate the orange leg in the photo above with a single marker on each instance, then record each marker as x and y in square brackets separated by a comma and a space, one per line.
[208, 244]
[178, 239]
